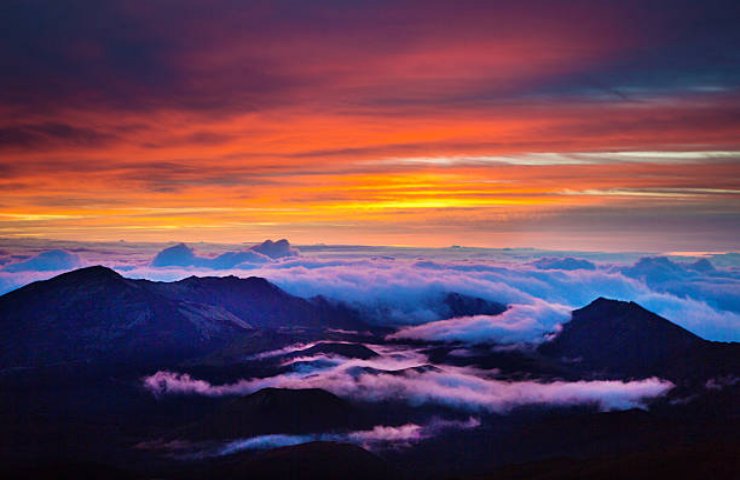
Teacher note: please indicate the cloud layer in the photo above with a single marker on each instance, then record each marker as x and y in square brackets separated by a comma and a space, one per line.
[403, 375]
[521, 323]
[404, 287]
[378, 438]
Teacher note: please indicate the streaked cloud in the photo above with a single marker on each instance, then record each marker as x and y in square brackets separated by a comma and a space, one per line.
[389, 379]
[576, 158]
[514, 123]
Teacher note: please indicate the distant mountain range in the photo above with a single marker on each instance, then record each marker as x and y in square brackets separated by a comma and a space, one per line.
[96, 315]
[181, 255]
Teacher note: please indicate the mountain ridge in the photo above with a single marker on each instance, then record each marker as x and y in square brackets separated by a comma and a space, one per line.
[94, 314]
[276, 411]
[623, 338]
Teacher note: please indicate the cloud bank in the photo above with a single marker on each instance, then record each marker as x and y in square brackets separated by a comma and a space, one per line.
[455, 389]
[402, 292]
[521, 323]
[402, 374]
[181, 255]
[51, 260]
[403, 287]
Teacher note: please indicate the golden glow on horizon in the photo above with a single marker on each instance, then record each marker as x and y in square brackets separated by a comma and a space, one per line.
[429, 178]
[301, 204]
[452, 136]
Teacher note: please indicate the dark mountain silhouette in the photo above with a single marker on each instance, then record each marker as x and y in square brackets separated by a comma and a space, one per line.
[275, 410]
[623, 338]
[179, 255]
[309, 461]
[69, 470]
[96, 315]
[348, 350]
[513, 363]
[278, 249]
[258, 302]
[709, 461]
[459, 305]
[702, 265]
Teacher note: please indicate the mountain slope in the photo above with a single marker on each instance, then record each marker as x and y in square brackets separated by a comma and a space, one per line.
[275, 410]
[623, 338]
[256, 301]
[459, 305]
[96, 315]
[315, 460]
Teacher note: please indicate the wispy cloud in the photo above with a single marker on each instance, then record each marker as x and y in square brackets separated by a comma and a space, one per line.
[378, 438]
[521, 323]
[394, 377]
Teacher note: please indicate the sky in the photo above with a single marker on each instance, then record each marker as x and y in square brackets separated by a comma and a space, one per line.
[602, 125]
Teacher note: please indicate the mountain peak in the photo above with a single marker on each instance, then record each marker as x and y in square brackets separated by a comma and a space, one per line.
[319, 459]
[620, 336]
[255, 285]
[617, 313]
[93, 273]
[702, 265]
[459, 305]
[176, 255]
[610, 303]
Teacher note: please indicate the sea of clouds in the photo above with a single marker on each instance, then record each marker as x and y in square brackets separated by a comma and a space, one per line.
[401, 287]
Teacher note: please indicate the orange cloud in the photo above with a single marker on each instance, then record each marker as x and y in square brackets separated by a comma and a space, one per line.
[368, 125]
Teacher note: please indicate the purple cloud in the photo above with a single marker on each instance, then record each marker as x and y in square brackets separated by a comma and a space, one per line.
[520, 323]
[380, 437]
[394, 377]
[181, 255]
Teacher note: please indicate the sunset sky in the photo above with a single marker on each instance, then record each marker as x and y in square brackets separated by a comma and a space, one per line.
[610, 125]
